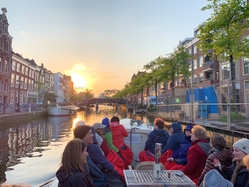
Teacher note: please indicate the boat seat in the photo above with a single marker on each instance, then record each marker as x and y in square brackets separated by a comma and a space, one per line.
[147, 165]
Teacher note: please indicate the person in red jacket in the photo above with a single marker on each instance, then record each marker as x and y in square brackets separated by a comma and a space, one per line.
[118, 134]
[197, 154]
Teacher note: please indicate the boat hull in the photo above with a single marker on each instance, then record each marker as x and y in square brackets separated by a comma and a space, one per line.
[61, 111]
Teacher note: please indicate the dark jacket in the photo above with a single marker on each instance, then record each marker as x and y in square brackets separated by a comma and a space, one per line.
[175, 139]
[75, 179]
[181, 154]
[226, 159]
[98, 177]
[98, 157]
[156, 136]
[241, 175]
[197, 156]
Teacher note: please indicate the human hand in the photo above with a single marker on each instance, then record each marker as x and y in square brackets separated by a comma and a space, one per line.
[217, 163]
[170, 159]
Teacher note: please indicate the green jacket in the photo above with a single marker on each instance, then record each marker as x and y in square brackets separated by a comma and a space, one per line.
[108, 138]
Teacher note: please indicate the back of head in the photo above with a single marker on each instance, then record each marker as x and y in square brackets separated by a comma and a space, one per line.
[218, 141]
[200, 132]
[159, 122]
[214, 179]
[176, 126]
[115, 119]
[81, 131]
[106, 122]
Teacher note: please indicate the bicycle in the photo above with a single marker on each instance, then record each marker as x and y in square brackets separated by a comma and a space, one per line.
[6, 108]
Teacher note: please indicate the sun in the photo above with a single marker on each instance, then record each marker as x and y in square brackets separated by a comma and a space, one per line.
[79, 81]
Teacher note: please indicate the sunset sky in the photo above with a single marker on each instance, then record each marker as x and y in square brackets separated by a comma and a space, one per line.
[101, 44]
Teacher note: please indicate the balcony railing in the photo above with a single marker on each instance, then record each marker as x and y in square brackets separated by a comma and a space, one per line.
[208, 66]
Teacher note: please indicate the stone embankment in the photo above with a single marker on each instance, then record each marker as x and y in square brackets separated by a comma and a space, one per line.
[20, 116]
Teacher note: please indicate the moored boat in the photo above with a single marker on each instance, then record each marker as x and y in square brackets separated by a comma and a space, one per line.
[62, 110]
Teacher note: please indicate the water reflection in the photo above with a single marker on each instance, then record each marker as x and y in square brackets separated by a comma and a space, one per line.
[30, 152]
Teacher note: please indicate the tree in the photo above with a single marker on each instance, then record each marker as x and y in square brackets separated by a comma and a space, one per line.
[110, 93]
[154, 75]
[223, 33]
[88, 93]
[175, 65]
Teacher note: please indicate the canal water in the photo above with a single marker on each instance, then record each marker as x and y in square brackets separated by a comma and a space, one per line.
[30, 151]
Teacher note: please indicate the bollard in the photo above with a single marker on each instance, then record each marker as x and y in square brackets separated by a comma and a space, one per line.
[29, 108]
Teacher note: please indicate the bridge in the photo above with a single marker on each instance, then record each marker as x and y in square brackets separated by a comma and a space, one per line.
[102, 100]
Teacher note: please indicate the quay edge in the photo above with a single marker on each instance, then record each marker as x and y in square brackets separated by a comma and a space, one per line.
[15, 117]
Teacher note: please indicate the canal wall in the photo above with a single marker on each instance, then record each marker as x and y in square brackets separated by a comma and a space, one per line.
[21, 116]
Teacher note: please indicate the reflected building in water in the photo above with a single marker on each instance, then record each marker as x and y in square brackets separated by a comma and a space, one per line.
[29, 140]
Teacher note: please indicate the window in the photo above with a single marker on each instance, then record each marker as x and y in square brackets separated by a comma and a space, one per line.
[195, 64]
[25, 83]
[12, 96]
[26, 71]
[247, 84]
[1, 84]
[16, 81]
[195, 49]
[200, 77]
[217, 76]
[246, 65]
[225, 67]
[195, 79]
[200, 61]
[12, 84]
[17, 67]
[14, 65]
[23, 69]
[6, 86]
[6, 66]
[1, 64]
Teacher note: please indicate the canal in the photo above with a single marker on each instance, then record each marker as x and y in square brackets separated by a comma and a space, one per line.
[30, 151]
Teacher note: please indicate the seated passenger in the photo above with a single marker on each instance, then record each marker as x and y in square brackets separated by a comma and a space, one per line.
[158, 135]
[197, 153]
[73, 169]
[118, 134]
[240, 175]
[111, 155]
[173, 143]
[221, 152]
[107, 134]
[101, 176]
[246, 163]
[180, 157]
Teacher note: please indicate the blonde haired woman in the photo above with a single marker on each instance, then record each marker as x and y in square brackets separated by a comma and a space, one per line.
[197, 154]
[73, 171]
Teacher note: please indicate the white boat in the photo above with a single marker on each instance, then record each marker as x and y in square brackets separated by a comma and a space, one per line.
[138, 135]
[62, 110]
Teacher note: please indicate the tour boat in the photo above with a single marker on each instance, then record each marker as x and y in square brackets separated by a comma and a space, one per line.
[62, 110]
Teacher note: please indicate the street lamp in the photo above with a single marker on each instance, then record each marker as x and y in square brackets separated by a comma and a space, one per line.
[19, 86]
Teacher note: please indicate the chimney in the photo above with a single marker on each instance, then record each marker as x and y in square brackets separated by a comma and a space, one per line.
[4, 10]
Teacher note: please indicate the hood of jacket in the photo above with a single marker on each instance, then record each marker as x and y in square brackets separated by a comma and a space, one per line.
[176, 126]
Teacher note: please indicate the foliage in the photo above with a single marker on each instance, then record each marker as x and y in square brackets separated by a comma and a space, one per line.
[110, 93]
[88, 93]
[223, 33]
[175, 65]
[235, 117]
[141, 106]
[151, 108]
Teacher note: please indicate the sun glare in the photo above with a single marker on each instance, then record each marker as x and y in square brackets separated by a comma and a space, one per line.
[79, 81]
